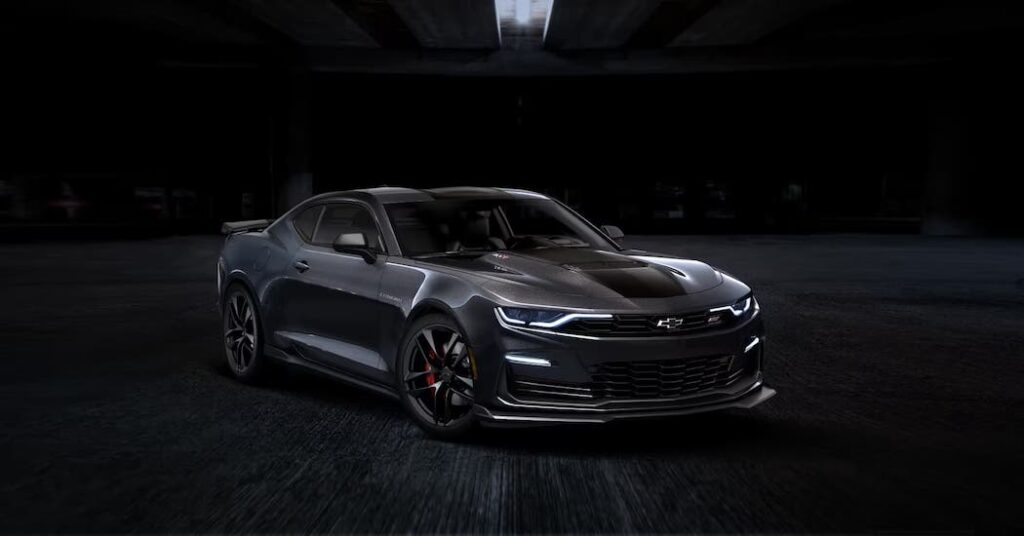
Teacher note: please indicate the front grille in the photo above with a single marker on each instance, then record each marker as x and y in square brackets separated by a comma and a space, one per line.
[636, 379]
[662, 379]
[648, 325]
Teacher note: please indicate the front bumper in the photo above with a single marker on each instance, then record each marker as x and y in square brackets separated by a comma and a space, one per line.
[726, 366]
[518, 414]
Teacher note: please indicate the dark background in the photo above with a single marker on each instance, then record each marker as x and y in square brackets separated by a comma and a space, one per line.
[787, 151]
[857, 162]
[842, 116]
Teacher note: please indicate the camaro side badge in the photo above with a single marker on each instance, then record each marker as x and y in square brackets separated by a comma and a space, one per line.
[390, 298]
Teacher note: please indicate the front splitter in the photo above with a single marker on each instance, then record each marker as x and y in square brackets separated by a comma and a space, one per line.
[748, 400]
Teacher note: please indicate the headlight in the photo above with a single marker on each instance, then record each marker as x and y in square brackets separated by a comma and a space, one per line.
[541, 318]
[743, 307]
[517, 315]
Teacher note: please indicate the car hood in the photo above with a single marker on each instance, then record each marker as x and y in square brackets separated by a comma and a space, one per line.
[590, 272]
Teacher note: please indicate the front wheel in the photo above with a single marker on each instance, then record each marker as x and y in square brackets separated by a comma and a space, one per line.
[436, 376]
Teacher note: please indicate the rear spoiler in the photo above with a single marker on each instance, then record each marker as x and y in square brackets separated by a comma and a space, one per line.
[233, 227]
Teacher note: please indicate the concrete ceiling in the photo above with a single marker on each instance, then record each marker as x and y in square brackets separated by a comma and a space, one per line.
[596, 24]
[401, 32]
[744, 22]
[450, 24]
[308, 22]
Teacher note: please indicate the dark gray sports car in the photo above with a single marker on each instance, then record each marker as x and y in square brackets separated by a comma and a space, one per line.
[486, 305]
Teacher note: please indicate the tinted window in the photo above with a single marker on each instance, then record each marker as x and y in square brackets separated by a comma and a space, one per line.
[342, 218]
[305, 221]
[533, 219]
[464, 226]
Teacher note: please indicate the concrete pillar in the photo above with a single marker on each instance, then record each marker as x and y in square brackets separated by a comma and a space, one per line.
[293, 173]
[946, 206]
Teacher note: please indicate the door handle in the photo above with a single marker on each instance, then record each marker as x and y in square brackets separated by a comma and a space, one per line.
[301, 266]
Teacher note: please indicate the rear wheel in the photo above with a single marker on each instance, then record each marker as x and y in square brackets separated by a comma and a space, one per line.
[436, 376]
[243, 342]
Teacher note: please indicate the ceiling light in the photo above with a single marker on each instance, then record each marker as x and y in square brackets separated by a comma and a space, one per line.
[522, 11]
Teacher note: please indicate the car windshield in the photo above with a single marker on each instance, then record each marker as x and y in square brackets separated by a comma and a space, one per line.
[473, 226]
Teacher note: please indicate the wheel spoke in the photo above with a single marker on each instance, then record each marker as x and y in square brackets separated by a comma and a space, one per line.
[234, 334]
[436, 386]
[413, 376]
[448, 405]
[437, 397]
[236, 316]
[463, 357]
[468, 382]
[446, 347]
[454, 352]
[424, 345]
[462, 391]
[440, 345]
[237, 353]
[462, 396]
[431, 339]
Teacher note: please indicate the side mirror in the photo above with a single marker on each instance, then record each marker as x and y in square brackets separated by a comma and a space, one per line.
[355, 244]
[613, 232]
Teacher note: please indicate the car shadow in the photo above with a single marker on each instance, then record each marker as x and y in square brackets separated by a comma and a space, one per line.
[717, 433]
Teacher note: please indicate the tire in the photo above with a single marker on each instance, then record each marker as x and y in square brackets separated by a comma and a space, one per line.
[437, 390]
[243, 335]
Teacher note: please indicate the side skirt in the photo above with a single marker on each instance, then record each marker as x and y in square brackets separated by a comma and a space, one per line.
[285, 357]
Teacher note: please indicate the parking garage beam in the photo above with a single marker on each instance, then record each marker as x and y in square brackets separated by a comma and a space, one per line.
[293, 174]
[945, 209]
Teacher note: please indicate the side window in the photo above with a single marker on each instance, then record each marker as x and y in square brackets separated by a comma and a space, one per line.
[305, 221]
[342, 218]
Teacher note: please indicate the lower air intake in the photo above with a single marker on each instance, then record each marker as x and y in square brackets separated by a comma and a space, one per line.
[663, 379]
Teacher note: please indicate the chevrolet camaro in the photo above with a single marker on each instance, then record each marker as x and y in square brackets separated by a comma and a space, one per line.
[485, 305]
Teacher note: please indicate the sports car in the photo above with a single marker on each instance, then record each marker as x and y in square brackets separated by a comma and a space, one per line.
[486, 305]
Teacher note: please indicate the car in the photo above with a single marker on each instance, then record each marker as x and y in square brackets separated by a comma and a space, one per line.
[486, 305]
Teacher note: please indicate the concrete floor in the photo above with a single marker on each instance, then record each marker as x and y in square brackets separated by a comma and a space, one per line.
[899, 363]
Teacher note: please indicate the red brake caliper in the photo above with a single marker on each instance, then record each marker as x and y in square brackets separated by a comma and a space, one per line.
[426, 367]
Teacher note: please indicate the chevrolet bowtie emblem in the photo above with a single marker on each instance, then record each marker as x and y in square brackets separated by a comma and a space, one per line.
[670, 323]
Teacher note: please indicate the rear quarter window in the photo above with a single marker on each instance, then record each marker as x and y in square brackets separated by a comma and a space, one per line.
[305, 221]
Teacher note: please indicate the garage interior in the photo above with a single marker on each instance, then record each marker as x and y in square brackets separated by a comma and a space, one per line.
[857, 161]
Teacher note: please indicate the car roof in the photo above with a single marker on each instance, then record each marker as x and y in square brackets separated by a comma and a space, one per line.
[392, 194]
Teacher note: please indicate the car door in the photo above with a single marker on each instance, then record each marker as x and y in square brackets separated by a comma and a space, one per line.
[333, 304]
